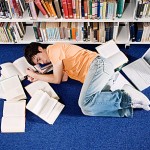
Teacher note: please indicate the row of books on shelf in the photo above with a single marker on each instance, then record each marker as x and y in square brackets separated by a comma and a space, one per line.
[140, 32]
[74, 31]
[11, 31]
[142, 9]
[72, 9]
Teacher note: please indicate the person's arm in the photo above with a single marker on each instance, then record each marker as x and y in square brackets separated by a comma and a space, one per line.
[56, 77]
[65, 77]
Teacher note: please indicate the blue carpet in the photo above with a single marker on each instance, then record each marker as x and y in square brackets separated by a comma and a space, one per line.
[72, 130]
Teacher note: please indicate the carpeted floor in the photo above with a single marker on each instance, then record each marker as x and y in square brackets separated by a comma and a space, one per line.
[72, 130]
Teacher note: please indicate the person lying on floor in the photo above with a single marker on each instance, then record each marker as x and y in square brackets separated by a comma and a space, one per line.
[93, 71]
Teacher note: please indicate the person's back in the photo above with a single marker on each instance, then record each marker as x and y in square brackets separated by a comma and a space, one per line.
[76, 60]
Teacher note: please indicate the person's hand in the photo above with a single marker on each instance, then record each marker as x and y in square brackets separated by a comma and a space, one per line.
[31, 75]
[65, 77]
[31, 79]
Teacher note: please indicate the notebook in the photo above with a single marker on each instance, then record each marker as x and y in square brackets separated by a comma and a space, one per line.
[139, 71]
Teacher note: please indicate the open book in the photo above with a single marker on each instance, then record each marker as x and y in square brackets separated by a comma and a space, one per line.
[18, 67]
[139, 71]
[110, 51]
[13, 119]
[44, 106]
[1, 90]
[41, 85]
[12, 89]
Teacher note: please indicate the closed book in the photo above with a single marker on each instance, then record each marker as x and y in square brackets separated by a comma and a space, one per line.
[65, 8]
[120, 8]
[41, 8]
[139, 31]
[132, 31]
[107, 28]
[33, 10]
[138, 8]
[70, 9]
[77, 9]
[85, 9]
[141, 10]
[57, 7]
[45, 5]
[98, 9]
[90, 8]
[73, 29]
[35, 32]
[82, 10]
[51, 4]
[74, 8]
[7, 4]
[20, 12]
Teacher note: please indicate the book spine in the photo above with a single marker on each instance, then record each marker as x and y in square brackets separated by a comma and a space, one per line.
[82, 10]
[74, 8]
[45, 5]
[8, 8]
[120, 5]
[77, 9]
[52, 9]
[41, 8]
[98, 9]
[90, 8]
[35, 32]
[57, 6]
[65, 8]
[70, 12]
[93, 9]
[33, 11]
[85, 9]
[19, 9]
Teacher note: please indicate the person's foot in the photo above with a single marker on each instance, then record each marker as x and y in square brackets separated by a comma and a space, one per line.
[145, 107]
[139, 100]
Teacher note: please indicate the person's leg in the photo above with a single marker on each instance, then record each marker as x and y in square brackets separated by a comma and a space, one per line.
[94, 102]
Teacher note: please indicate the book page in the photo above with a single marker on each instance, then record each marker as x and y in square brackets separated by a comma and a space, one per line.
[146, 56]
[119, 82]
[12, 89]
[108, 49]
[37, 102]
[21, 64]
[48, 107]
[1, 89]
[9, 70]
[55, 113]
[41, 85]
[14, 108]
[118, 59]
[13, 124]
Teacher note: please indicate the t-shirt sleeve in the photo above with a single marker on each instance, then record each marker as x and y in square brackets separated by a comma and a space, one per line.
[55, 53]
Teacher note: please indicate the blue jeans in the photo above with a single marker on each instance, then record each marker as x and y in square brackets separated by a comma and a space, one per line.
[94, 100]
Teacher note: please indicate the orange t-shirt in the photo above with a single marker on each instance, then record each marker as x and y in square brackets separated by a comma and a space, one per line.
[76, 60]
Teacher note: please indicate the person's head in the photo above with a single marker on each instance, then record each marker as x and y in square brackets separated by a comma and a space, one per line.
[35, 53]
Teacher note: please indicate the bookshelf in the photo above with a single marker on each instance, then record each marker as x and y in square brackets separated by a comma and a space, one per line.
[123, 30]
